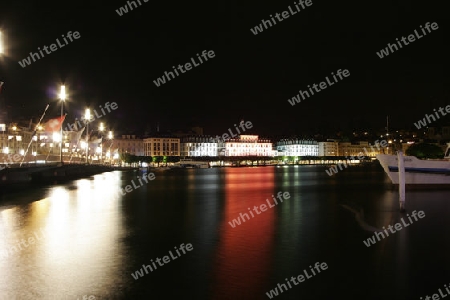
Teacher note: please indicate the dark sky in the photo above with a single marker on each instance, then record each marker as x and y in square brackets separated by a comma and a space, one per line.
[251, 76]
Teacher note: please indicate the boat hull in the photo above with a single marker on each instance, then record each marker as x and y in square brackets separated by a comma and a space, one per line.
[417, 171]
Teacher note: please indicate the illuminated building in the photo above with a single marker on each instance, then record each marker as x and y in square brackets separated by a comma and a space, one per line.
[361, 148]
[162, 146]
[329, 148]
[249, 145]
[128, 144]
[199, 146]
[293, 147]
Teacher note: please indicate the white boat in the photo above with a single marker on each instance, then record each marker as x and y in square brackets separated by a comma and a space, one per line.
[426, 172]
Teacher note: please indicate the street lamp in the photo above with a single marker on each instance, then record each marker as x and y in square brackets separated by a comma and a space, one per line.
[87, 117]
[62, 96]
[1, 43]
[110, 137]
[101, 128]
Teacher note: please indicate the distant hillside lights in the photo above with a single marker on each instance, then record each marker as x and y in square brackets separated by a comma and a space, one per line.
[27, 61]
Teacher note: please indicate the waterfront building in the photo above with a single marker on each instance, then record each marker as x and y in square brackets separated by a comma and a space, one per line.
[249, 145]
[14, 139]
[295, 147]
[362, 148]
[162, 146]
[127, 144]
[45, 146]
[200, 146]
[328, 148]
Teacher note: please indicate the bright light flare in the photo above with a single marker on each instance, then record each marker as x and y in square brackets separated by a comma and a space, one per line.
[87, 114]
[62, 95]
[56, 137]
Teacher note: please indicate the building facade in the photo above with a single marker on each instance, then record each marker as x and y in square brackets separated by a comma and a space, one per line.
[363, 148]
[295, 147]
[328, 148]
[126, 144]
[249, 145]
[162, 146]
[199, 146]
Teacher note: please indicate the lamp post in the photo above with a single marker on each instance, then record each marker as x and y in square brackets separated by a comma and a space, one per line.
[62, 96]
[2, 51]
[101, 128]
[110, 137]
[87, 117]
[1, 43]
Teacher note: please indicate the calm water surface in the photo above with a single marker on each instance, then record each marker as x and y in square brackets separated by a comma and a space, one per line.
[86, 238]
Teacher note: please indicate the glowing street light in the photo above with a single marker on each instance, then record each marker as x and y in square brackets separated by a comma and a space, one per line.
[101, 127]
[62, 96]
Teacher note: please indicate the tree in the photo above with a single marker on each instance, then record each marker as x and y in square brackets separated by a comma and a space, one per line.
[173, 159]
[126, 158]
[157, 159]
[425, 150]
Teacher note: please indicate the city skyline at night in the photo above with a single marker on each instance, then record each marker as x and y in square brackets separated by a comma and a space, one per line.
[117, 59]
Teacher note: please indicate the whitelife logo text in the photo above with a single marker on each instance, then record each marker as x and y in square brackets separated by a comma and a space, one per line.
[280, 196]
[187, 66]
[318, 87]
[397, 226]
[272, 293]
[423, 123]
[280, 17]
[124, 9]
[165, 260]
[411, 38]
[242, 125]
[334, 169]
[35, 56]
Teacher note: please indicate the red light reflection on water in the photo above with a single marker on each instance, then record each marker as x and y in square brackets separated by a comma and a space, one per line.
[244, 253]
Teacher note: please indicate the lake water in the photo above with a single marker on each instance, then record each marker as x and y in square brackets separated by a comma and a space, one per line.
[87, 237]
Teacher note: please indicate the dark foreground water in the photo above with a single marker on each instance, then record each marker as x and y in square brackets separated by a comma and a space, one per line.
[86, 238]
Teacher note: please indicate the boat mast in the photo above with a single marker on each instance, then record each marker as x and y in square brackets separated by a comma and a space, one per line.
[387, 125]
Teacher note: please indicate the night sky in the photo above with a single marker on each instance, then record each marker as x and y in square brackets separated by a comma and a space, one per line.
[251, 77]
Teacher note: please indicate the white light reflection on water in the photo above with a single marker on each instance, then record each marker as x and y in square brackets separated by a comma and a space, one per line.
[76, 231]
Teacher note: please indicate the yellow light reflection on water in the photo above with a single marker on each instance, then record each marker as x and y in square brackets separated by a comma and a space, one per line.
[78, 226]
